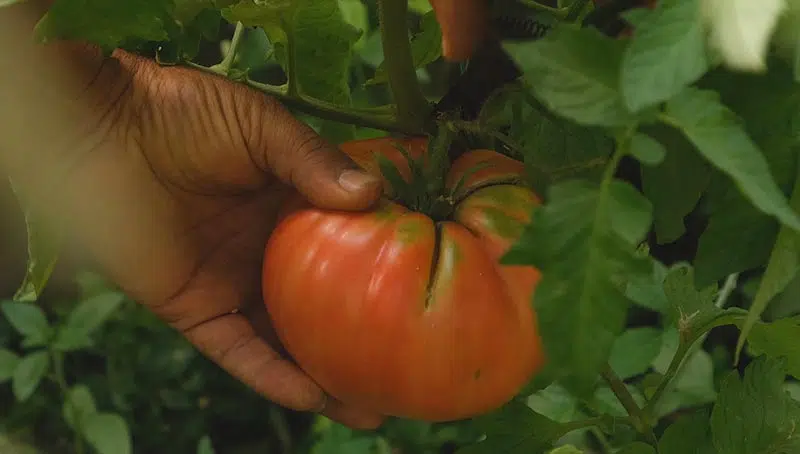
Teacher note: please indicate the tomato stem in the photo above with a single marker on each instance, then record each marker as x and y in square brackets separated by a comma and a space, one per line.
[412, 107]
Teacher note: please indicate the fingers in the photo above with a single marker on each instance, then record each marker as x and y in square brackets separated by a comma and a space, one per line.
[352, 417]
[463, 24]
[322, 173]
[231, 342]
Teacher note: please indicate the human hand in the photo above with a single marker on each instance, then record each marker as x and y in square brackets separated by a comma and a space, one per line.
[170, 180]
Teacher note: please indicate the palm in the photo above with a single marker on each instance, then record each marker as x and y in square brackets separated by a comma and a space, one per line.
[176, 202]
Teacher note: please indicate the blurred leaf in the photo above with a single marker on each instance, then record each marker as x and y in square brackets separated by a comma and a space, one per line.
[778, 339]
[29, 320]
[690, 434]
[692, 386]
[753, 414]
[514, 429]
[782, 267]
[556, 403]
[675, 185]
[8, 362]
[584, 241]
[719, 136]
[30, 371]
[575, 73]
[647, 150]
[568, 449]
[648, 291]
[108, 433]
[634, 351]
[84, 319]
[78, 404]
[204, 446]
[637, 448]
[666, 54]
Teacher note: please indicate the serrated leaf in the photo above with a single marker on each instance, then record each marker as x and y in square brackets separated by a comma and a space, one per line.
[575, 73]
[426, 47]
[634, 351]
[716, 133]
[753, 414]
[783, 266]
[675, 185]
[8, 363]
[584, 241]
[84, 319]
[690, 434]
[106, 23]
[514, 429]
[778, 339]
[637, 447]
[28, 319]
[30, 371]
[108, 433]
[204, 446]
[693, 309]
[740, 30]
[78, 404]
[666, 54]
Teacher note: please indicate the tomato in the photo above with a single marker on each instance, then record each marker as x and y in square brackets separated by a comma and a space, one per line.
[393, 311]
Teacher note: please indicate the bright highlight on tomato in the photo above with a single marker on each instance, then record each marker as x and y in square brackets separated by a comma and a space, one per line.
[393, 311]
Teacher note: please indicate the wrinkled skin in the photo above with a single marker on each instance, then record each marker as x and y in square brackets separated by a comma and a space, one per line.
[169, 180]
[398, 315]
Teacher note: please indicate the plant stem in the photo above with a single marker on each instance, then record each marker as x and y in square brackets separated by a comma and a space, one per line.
[376, 118]
[685, 349]
[593, 422]
[412, 107]
[224, 67]
[638, 417]
[576, 10]
[61, 381]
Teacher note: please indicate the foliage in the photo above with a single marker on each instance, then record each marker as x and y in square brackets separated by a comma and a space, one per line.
[667, 162]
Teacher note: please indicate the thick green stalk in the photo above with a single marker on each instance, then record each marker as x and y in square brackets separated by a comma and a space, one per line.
[412, 107]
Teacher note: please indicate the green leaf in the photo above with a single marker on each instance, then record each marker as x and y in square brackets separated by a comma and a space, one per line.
[634, 351]
[84, 319]
[555, 402]
[567, 449]
[584, 241]
[314, 45]
[690, 434]
[674, 186]
[78, 405]
[514, 429]
[666, 54]
[107, 433]
[769, 105]
[575, 73]
[637, 448]
[106, 23]
[778, 339]
[783, 266]
[648, 291]
[716, 133]
[9, 2]
[8, 363]
[29, 373]
[553, 148]
[28, 319]
[426, 47]
[204, 446]
[647, 150]
[754, 414]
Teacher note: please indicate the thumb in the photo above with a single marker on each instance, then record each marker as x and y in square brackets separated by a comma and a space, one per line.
[321, 172]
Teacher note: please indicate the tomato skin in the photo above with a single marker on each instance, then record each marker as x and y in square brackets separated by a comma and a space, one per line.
[364, 307]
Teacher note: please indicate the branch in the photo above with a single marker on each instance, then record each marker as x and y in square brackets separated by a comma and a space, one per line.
[382, 118]
[412, 107]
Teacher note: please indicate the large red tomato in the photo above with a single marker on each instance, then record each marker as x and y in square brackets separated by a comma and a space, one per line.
[394, 312]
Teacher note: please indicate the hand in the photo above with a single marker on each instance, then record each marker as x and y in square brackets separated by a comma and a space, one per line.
[170, 179]
[463, 24]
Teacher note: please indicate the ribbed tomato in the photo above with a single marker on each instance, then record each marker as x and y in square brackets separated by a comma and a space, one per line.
[393, 311]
